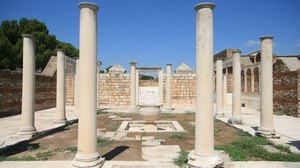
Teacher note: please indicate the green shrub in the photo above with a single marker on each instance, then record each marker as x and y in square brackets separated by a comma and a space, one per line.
[182, 159]
[99, 111]
[167, 115]
[103, 141]
[177, 135]
[44, 155]
[72, 149]
[13, 158]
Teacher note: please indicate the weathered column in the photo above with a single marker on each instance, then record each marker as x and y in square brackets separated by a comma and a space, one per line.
[133, 107]
[225, 90]
[87, 155]
[99, 63]
[77, 77]
[168, 89]
[236, 86]
[252, 80]
[28, 86]
[219, 89]
[60, 88]
[266, 115]
[204, 154]
[161, 85]
[245, 81]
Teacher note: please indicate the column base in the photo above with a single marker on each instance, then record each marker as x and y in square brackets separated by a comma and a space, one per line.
[133, 110]
[267, 133]
[30, 131]
[219, 114]
[88, 160]
[235, 120]
[196, 161]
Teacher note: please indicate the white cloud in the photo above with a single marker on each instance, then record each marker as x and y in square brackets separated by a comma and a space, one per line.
[251, 43]
[298, 42]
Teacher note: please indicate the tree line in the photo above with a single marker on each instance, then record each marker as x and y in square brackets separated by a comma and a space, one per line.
[11, 43]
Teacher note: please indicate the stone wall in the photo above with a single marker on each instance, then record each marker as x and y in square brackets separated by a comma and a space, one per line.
[285, 90]
[114, 90]
[11, 92]
[70, 88]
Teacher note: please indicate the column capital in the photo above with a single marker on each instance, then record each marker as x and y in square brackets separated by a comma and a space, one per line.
[132, 63]
[88, 5]
[205, 5]
[266, 37]
[236, 51]
[29, 36]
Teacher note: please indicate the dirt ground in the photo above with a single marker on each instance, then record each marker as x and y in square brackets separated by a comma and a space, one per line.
[61, 145]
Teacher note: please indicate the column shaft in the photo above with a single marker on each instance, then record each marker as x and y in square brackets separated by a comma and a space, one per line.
[133, 107]
[219, 89]
[169, 89]
[28, 86]
[252, 80]
[245, 81]
[60, 88]
[87, 155]
[266, 122]
[225, 90]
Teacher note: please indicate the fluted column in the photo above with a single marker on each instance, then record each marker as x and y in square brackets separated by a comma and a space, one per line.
[224, 90]
[204, 154]
[60, 88]
[236, 92]
[28, 87]
[169, 89]
[133, 107]
[219, 89]
[266, 114]
[87, 155]
[252, 80]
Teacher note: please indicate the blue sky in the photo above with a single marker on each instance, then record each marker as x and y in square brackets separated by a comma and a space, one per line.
[158, 32]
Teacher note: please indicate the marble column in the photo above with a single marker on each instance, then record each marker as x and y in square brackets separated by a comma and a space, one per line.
[133, 107]
[28, 87]
[219, 89]
[87, 155]
[252, 80]
[77, 77]
[236, 86]
[99, 63]
[204, 154]
[224, 90]
[60, 88]
[266, 115]
[169, 89]
[245, 81]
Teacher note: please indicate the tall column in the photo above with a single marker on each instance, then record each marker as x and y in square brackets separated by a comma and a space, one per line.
[168, 89]
[252, 80]
[219, 89]
[87, 155]
[60, 88]
[99, 63]
[133, 107]
[161, 85]
[204, 154]
[77, 77]
[266, 115]
[245, 81]
[225, 90]
[28, 87]
[236, 86]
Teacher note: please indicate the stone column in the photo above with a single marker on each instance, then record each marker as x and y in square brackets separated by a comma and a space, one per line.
[204, 154]
[99, 63]
[224, 90]
[161, 85]
[28, 87]
[236, 86]
[252, 80]
[87, 155]
[245, 81]
[266, 115]
[60, 88]
[133, 107]
[77, 85]
[219, 89]
[169, 89]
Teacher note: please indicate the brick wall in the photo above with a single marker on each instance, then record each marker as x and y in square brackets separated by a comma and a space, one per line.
[114, 90]
[11, 92]
[70, 89]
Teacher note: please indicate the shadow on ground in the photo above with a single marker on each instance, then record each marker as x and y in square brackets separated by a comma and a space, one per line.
[115, 152]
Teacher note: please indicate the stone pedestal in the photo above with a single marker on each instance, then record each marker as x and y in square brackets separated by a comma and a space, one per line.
[236, 92]
[204, 153]
[28, 87]
[133, 105]
[266, 115]
[168, 108]
[60, 88]
[87, 155]
[219, 89]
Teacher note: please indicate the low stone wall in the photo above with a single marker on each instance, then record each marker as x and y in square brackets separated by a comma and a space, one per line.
[11, 92]
[114, 90]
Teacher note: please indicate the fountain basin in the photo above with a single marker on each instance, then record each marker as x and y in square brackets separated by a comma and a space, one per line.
[155, 126]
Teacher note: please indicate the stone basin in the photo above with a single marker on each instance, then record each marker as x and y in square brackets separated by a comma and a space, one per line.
[155, 126]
